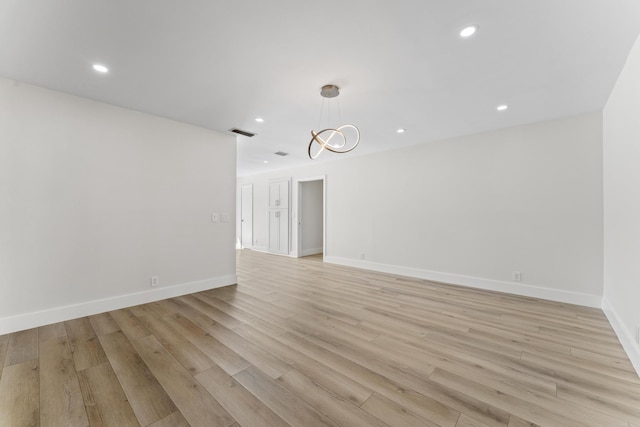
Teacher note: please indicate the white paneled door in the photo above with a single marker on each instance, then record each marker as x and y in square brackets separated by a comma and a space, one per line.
[279, 217]
[246, 216]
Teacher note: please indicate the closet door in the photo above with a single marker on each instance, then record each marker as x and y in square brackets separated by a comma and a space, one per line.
[274, 230]
[279, 217]
[279, 231]
[283, 231]
[274, 195]
[279, 195]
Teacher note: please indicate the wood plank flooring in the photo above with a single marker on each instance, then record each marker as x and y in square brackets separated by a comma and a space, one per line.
[302, 343]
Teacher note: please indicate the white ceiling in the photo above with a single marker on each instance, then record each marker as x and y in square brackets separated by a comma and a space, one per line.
[219, 64]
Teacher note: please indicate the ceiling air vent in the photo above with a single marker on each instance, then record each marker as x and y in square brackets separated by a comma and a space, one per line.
[281, 153]
[242, 132]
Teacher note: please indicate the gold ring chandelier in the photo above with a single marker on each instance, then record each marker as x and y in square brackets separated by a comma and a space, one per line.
[341, 139]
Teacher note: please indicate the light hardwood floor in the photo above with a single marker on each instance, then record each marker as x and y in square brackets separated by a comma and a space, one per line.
[302, 343]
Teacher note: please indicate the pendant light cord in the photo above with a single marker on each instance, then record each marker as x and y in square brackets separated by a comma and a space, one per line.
[329, 124]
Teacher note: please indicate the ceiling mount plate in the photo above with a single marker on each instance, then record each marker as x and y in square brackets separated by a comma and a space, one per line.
[330, 91]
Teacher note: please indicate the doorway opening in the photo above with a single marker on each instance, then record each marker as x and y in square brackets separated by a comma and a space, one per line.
[311, 218]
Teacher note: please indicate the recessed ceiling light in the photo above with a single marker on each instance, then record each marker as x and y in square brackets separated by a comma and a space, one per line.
[100, 68]
[468, 31]
[265, 162]
[401, 130]
[259, 119]
[502, 107]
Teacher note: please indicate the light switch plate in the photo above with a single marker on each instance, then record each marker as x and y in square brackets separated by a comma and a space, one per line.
[214, 217]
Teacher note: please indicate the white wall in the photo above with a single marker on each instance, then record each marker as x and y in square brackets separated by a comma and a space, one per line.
[622, 206]
[95, 199]
[471, 210]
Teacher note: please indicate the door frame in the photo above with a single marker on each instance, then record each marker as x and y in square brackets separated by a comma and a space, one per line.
[300, 182]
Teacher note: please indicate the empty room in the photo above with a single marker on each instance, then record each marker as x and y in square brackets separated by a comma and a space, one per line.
[411, 213]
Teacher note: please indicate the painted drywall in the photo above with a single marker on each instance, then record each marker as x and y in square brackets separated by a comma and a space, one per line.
[96, 199]
[311, 217]
[471, 210]
[621, 141]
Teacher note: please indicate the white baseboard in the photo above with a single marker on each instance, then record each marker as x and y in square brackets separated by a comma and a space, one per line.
[267, 251]
[624, 335]
[60, 314]
[262, 249]
[569, 297]
[312, 251]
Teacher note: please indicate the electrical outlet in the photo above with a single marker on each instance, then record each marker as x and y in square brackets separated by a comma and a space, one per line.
[517, 276]
[225, 216]
[155, 281]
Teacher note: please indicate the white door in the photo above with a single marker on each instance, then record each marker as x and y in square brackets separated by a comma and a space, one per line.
[246, 216]
[279, 231]
[284, 231]
[274, 230]
[279, 217]
[279, 195]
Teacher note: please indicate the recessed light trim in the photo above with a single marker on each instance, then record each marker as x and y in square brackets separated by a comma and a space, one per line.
[502, 107]
[100, 68]
[401, 130]
[265, 161]
[259, 120]
[468, 31]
